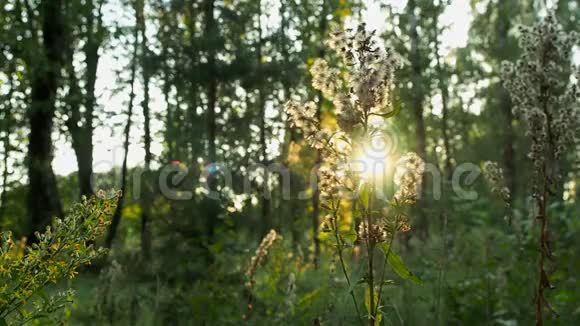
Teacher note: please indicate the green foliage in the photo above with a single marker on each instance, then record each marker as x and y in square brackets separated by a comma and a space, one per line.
[396, 262]
[211, 73]
[26, 271]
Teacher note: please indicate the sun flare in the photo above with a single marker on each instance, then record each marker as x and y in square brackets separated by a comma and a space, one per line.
[371, 163]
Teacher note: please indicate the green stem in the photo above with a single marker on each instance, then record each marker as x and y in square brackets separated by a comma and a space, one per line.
[343, 265]
[371, 247]
[386, 260]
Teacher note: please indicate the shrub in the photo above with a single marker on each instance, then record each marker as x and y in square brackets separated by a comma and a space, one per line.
[25, 272]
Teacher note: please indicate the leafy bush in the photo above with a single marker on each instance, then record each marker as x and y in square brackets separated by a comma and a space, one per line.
[26, 271]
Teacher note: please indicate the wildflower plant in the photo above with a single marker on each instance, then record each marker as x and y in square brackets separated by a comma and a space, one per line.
[547, 103]
[66, 245]
[361, 93]
[255, 262]
[494, 175]
[261, 253]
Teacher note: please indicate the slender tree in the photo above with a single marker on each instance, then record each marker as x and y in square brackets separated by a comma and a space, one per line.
[43, 199]
[80, 122]
[502, 28]
[212, 82]
[116, 219]
[443, 85]
[146, 193]
[193, 48]
[6, 129]
[211, 35]
[441, 75]
[289, 132]
[418, 89]
[417, 99]
[322, 31]
[266, 201]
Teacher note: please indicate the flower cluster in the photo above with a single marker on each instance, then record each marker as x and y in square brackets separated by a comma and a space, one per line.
[327, 224]
[303, 117]
[324, 78]
[375, 233]
[539, 97]
[382, 230]
[260, 256]
[362, 91]
[408, 177]
[365, 89]
[59, 252]
[329, 184]
[494, 175]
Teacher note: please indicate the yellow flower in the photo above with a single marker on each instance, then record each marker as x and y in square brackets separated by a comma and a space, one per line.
[72, 273]
[4, 270]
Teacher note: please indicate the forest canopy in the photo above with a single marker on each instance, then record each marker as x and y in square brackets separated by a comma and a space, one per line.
[289, 162]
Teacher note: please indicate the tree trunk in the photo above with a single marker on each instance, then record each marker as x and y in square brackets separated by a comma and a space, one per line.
[211, 34]
[502, 29]
[266, 203]
[267, 222]
[118, 211]
[94, 42]
[4, 193]
[170, 115]
[146, 193]
[82, 131]
[193, 82]
[442, 79]
[194, 125]
[6, 143]
[43, 200]
[417, 105]
[290, 137]
[322, 26]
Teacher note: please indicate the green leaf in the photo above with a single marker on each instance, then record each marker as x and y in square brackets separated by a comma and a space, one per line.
[392, 113]
[3, 322]
[396, 262]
